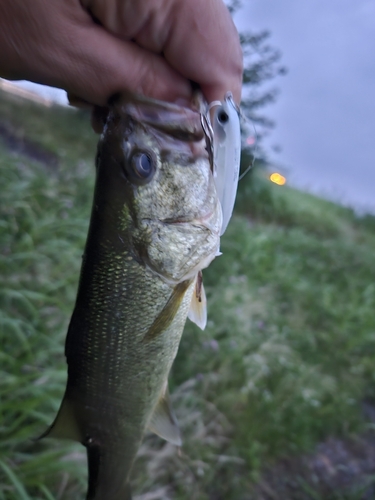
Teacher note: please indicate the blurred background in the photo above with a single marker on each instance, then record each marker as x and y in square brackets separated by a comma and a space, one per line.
[325, 110]
[276, 398]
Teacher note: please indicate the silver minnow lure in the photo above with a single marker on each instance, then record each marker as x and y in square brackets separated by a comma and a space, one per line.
[226, 153]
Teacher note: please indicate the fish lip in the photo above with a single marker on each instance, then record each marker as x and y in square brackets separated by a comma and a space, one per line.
[201, 222]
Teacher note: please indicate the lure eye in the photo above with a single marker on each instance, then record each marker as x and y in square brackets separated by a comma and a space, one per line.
[142, 167]
[222, 117]
[220, 125]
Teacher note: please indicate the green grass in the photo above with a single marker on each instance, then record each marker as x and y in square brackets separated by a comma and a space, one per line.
[43, 222]
[286, 360]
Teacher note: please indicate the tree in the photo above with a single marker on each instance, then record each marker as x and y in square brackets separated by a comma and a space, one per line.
[262, 63]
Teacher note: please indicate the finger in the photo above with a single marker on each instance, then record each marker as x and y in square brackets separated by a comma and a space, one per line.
[65, 48]
[98, 118]
[214, 55]
[100, 65]
[77, 102]
[197, 38]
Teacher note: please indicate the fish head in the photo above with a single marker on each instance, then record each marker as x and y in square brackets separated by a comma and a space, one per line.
[170, 212]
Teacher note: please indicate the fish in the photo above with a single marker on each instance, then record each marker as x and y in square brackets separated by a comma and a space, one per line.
[155, 224]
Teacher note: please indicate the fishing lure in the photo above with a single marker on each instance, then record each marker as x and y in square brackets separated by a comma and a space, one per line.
[226, 135]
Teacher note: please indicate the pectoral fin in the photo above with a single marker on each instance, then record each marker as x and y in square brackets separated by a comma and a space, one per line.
[65, 425]
[164, 422]
[167, 314]
[198, 307]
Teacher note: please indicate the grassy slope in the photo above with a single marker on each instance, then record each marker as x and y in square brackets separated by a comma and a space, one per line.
[286, 359]
[44, 219]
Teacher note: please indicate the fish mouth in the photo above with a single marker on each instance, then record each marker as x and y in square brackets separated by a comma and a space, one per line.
[206, 221]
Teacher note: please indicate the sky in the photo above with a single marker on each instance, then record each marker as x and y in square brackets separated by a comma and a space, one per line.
[325, 113]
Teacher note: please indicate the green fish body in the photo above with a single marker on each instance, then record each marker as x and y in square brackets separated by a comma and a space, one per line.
[155, 224]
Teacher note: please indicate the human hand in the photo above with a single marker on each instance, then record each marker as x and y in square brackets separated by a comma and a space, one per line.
[153, 47]
[197, 38]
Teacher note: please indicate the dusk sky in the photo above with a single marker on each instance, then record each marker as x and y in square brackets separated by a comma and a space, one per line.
[325, 114]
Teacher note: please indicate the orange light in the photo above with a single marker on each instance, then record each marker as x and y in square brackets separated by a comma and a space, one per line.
[278, 179]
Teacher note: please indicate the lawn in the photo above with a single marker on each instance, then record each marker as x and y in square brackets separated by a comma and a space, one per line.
[285, 364]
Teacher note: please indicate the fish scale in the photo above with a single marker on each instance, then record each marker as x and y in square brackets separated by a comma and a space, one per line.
[139, 273]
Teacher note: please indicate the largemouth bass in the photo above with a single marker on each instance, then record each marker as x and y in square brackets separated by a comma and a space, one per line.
[155, 224]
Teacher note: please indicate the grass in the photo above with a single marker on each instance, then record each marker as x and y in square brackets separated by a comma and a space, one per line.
[286, 360]
[44, 218]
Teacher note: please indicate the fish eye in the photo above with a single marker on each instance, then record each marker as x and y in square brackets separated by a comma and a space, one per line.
[142, 167]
